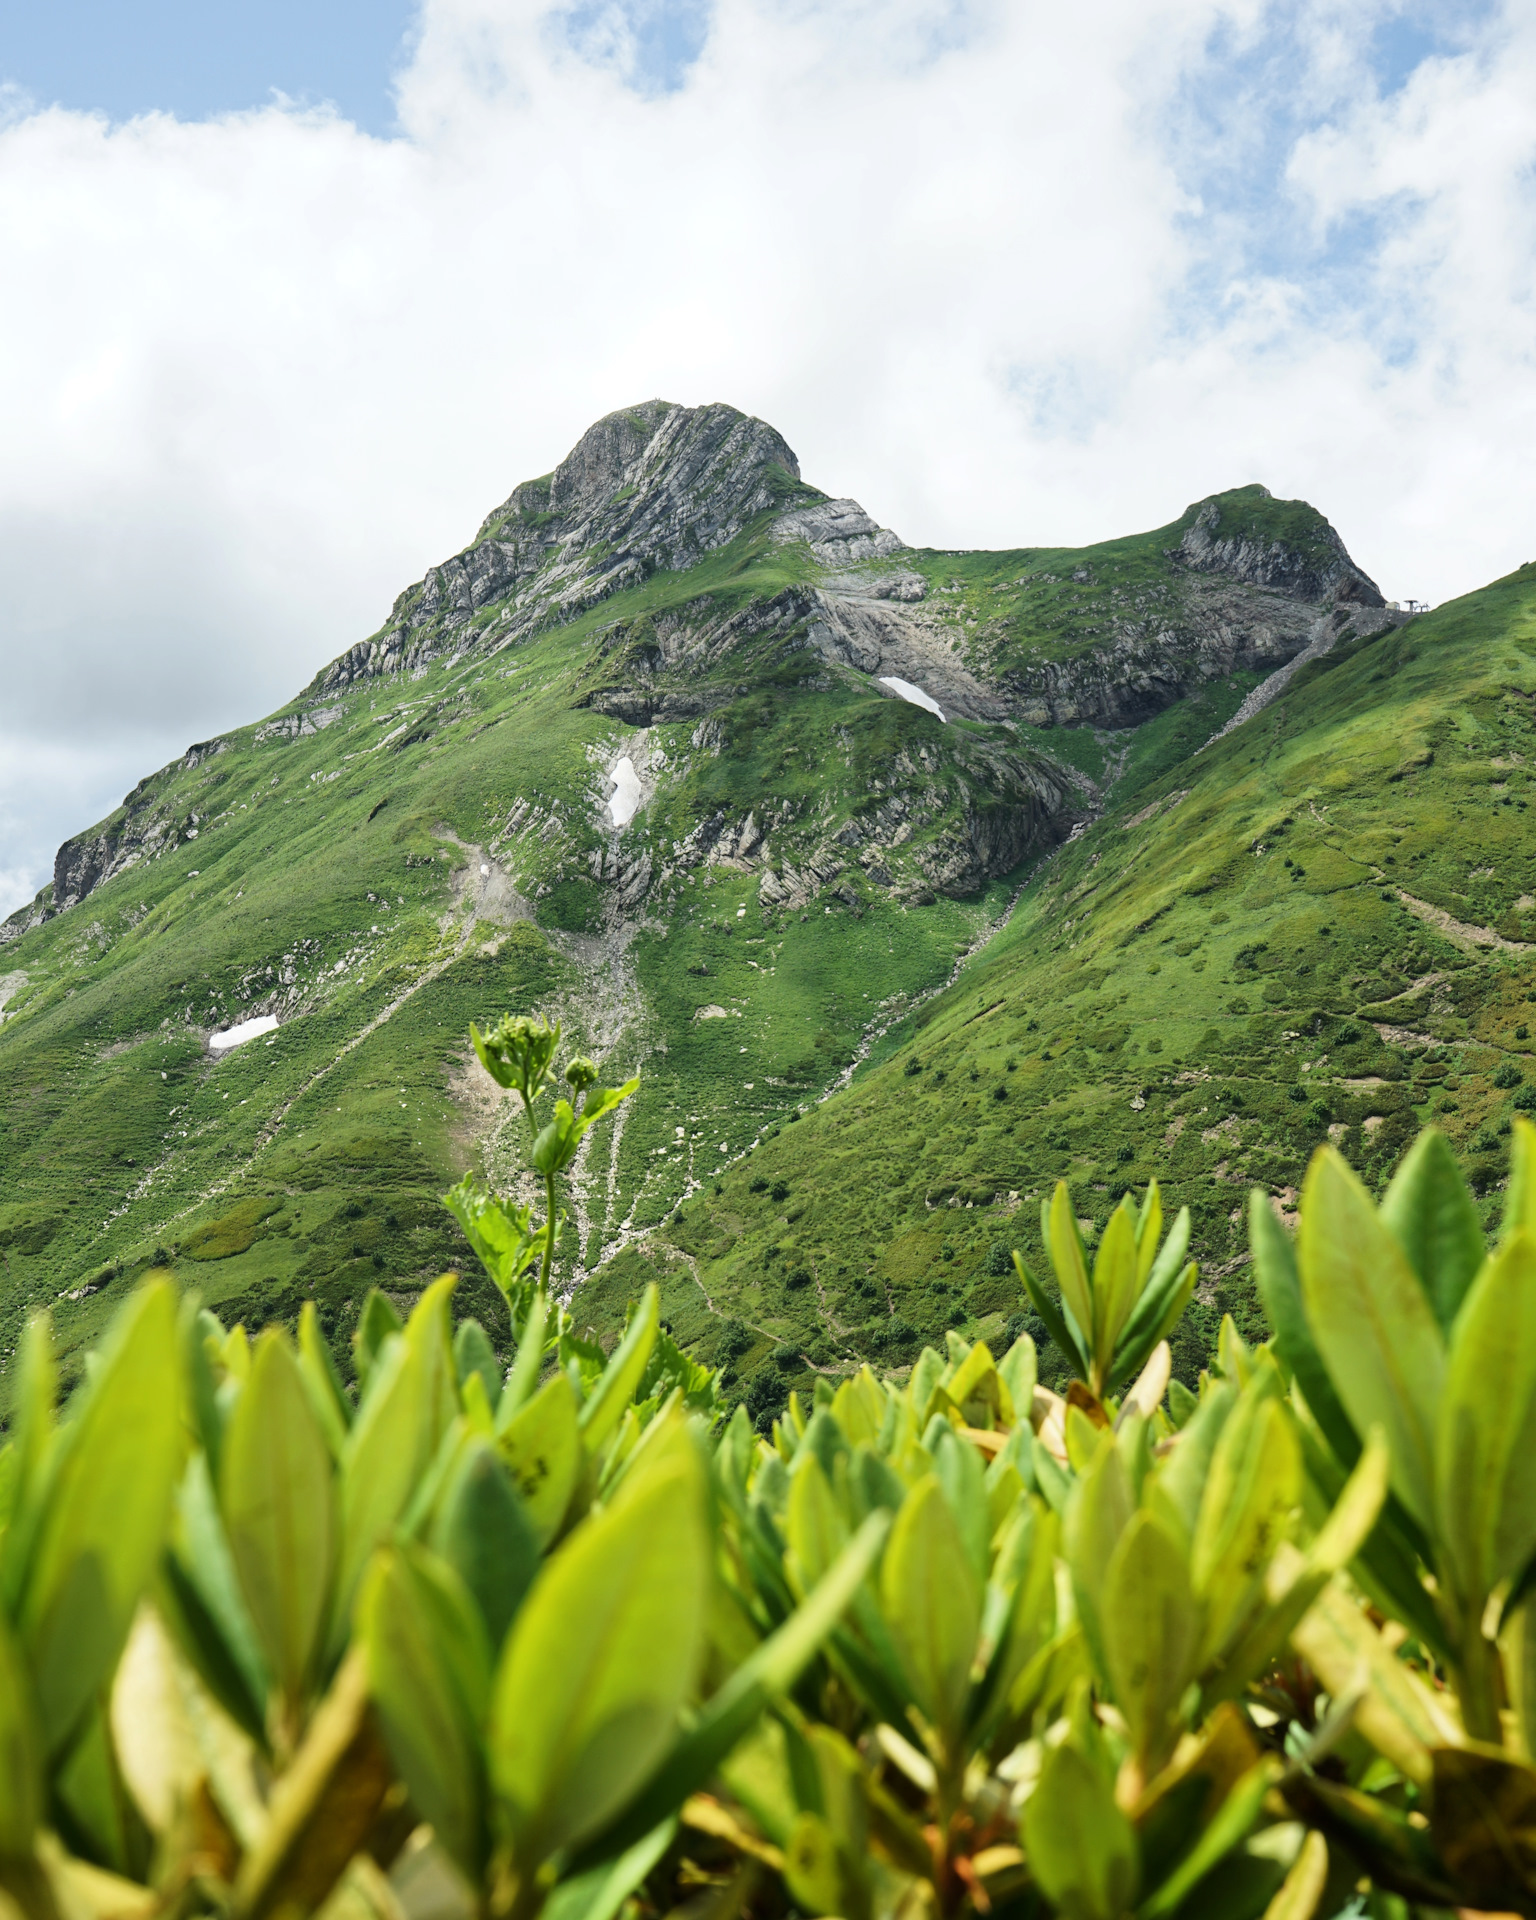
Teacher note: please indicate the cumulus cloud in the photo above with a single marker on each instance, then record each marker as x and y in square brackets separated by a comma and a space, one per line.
[1008, 273]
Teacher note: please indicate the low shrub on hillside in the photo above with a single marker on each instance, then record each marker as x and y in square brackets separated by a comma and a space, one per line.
[563, 1640]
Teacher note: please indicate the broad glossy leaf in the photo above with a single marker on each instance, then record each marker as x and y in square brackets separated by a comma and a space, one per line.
[1485, 1478]
[605, 1651]
[1373, 1324]
[108, 1507]
[542, 1448]
[1303, 1885]
[1082, 1849]
[377, 1323]
[931, 1602]
[1436, 1222]
[417, 1644]
[1151, 1628]
[279, 1506]
[964, 1480]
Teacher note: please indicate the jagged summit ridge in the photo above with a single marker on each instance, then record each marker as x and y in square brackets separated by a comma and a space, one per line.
[650, 487]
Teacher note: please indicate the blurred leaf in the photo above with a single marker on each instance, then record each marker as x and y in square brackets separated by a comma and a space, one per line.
[542, 1448]
[1303, 1886]
[1151, 1632]
[428, 1670]
[1483, 1819]
[109, 1503]
[1436, 1223]
[1382, 1344]
[1058, 1229]
[1228, 1828]
[411, 1401]
[1116, 1285]
[1279, 1284]
[1486, 1444]
[482, 1529]
[599, 1660]
[279, 1509]
[932, 1605]
[614, 1391]
[321, 1807]
[322, 1382]
[21, 1750]
[1081, 1848]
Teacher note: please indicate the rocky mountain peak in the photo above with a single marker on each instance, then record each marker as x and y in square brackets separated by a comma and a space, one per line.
[1286, 546]
[650, 487]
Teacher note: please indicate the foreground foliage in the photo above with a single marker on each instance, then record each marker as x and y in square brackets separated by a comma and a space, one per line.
[952, 1644]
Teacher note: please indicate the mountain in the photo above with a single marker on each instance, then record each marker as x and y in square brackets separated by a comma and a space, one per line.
[759, 800]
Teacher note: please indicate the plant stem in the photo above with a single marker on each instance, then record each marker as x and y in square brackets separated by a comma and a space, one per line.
[549, 1230]
[1477, 1686]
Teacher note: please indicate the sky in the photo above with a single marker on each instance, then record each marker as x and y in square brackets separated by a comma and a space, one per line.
[292, 296]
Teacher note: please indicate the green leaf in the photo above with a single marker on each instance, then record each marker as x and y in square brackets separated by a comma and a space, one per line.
[1250, 1492]
[1082, 1849]
[423, 1647]
[1485, 1462]
[599, 1892]
[1227, 1828]
[1151, 1630]
[816, 1530]
[932, 1605]
[108, 1506]
[279, 1508]
[1520, 1196]
[412, 1399]
[505, 1236]
[601, 1658]
[322, 1382]
[1165, 1302]
[763, 1677]
[376, 1323]
[1279, 1284]
[22, 1789]
[542, 1449]
[33, 1458]
[1436, 1222]
[484, 1532]
[1373, 1323]
[1055, 1322]
[1116, 1281]
[1058, 1229]
[613, 1393]
[1098, 1511]
[201, 1600]
[473, 1353]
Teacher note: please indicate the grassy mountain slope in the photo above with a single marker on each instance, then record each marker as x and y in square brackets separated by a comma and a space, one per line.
[1321, 925]
[423, 839]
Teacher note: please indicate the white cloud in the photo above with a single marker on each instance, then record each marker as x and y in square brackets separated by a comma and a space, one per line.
[990, 268]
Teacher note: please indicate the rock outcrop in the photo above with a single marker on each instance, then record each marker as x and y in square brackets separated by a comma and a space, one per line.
[650, 487]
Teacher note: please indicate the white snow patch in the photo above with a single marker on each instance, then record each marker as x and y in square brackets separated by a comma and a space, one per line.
[625, 797]
[244, 1030]
[915, 694]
